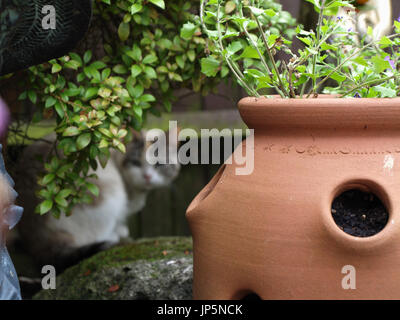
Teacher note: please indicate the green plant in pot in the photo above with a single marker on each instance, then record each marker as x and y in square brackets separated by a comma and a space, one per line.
[318, 215]
[253, 52]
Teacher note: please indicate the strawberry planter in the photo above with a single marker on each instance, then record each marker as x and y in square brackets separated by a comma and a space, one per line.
[273, 233]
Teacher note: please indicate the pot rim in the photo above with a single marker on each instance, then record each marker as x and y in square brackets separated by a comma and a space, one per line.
[325, 112]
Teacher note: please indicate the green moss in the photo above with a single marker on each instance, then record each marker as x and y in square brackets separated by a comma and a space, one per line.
[83, 276]
[146, 249]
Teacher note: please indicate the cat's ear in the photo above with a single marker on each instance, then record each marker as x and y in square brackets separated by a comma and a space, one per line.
[137, 135]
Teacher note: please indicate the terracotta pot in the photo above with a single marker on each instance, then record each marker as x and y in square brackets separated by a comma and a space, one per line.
[272, 233]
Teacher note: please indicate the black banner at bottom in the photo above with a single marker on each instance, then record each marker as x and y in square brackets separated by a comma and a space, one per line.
[235, 310]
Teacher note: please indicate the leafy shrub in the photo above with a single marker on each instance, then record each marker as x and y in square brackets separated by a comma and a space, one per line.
[139, 57]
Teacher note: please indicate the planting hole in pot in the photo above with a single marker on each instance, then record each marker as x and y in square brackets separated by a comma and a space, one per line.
[359, 213]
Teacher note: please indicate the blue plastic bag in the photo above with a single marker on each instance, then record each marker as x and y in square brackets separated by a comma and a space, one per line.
[9, 284]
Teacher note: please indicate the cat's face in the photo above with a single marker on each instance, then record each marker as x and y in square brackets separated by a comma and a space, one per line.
[143, 175]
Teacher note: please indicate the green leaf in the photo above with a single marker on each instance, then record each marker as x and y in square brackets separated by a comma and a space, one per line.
[98, 65]
[307, 41]
[191, 55]
[50, 101]
[327, 46]
[150, 72]
[61, 201]
[177, 77]
[188, 30]
[48, 178]
[124, 31]
[147, 98]
[71, 131]
[397, 25]
[120, 146]
[361, 61]
[135, 8]
[158, 3]
[72, 64]
[105, 73]
[230, 6]
[164, 43]
[150, 59]
[56, 68]
[180, 62]
[385, 41]
[59, 109]
[210, 66]
[87, 56]
[91, 92]
[45, 207]
[386, 92]
[103, 144]
[104, 92]
[256, 11]
[168, 106]
[250, 53]
[255, 73]
[337, 77]
[120, 69]
[270, 12]
[23, 95]
[137, 91]
[135, 53]
[138, 112]
[233, 48]
[76, 58]
[336, 4]
[380, 64]
[370, 31]
[32, 96]
[83, 141]
[316, 4]
[93, 189]
[106, 132]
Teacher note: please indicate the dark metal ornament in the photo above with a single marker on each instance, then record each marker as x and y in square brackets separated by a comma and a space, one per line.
[23, 40]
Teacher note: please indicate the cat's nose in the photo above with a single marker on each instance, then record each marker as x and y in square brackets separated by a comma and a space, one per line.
[147, 177]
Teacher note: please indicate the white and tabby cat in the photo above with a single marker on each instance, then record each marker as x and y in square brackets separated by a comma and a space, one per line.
[123, 184]
[376, 14]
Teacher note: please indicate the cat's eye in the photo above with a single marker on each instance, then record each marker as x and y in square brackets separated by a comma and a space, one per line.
[136, 162]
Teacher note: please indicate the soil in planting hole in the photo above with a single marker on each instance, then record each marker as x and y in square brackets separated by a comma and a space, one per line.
[359, 214]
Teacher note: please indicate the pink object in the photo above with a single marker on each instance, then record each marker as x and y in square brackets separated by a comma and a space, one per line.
[4, 117]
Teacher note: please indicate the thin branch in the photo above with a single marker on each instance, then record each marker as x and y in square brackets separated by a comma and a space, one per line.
[271, 57]
[289, 71]
[314, 65]
[368, 83]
